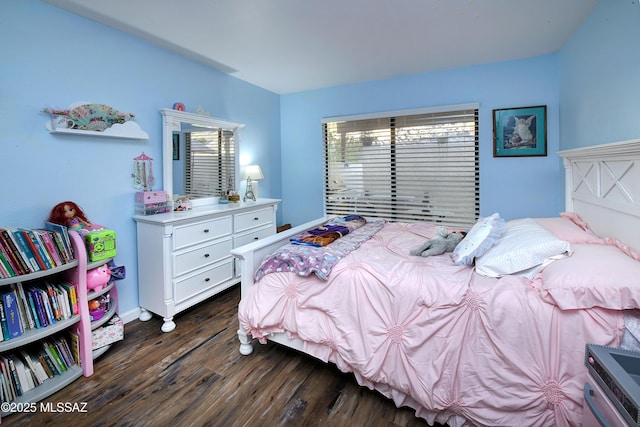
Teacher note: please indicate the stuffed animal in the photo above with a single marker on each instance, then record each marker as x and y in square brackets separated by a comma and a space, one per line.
[442, 242]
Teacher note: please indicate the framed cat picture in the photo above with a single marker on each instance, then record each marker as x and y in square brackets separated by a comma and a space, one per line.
[520, 132]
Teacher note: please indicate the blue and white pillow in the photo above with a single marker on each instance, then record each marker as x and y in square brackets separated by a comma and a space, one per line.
[523, 250]
[484, 234]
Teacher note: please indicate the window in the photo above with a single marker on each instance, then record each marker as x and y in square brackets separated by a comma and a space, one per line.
[210, 165]
[419, 165]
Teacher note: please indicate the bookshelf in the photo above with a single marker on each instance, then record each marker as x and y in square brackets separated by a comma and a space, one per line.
[78, 324]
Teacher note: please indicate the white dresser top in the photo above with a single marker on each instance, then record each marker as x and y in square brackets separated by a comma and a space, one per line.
[200, 211]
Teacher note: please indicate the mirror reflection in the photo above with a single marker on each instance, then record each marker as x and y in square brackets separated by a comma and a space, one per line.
[199, 155]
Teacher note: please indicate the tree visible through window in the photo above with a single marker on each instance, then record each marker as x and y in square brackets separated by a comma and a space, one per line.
[419, 166]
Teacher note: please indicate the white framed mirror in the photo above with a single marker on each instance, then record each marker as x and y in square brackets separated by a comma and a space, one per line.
[199, 155]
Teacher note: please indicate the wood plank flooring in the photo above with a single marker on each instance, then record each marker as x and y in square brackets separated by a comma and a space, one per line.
[196, 376]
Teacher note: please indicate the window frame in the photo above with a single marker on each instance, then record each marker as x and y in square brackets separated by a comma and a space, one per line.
[378, 123]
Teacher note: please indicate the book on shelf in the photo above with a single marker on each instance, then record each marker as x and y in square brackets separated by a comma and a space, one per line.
[29, 367]
[37, 247]
[3, 322]
[64, 234]
[9, 244]
[46, 303]
[74, 344]
[53, 356]
[34, 309]
[48, 309]
[13, 375]
[47, 363]
[23, 377]
[4, 270]
[27, 241]
[11, 312]
[22, 315]
[34, 365]
[73, 296]
[6, 373]
[62, 250]
[48, 240]
[64, 351]
[4, 386]
[24, 304]
[63, 301]
[53, 301]
[24, 249]
[8, 258]
[38, 307]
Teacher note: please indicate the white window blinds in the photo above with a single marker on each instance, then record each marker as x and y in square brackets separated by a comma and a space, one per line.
[210, 165]
[414, 167]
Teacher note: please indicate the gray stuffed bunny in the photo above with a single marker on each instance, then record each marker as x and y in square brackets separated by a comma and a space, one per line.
[442, 242]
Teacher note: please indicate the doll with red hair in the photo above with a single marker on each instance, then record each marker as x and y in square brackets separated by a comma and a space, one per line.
[70, 215]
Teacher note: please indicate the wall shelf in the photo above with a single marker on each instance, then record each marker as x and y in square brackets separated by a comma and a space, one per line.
[129, 130]
[85, 113]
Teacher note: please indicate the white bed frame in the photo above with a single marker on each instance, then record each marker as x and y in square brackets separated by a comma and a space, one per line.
[602, 185]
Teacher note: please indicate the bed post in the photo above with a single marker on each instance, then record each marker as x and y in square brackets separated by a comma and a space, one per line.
[244, 263]
[248, 259]
[568, 185]
[246, 348]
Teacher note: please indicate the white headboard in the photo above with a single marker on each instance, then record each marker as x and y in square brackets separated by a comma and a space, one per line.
[602, 185]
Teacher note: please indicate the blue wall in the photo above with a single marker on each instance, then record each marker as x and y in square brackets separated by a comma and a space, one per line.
[50, 57]
[600, 77]
[515, 187]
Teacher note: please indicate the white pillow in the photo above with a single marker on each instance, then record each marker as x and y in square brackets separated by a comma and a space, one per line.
[523, 250]
[484, 234]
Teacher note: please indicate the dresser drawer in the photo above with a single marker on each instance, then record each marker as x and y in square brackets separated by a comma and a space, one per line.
[252, 236]
[201, 282]
[247, 220]
[200, 256]
[192, 234]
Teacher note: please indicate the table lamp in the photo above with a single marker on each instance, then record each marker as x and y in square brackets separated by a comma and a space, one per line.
[252, 173]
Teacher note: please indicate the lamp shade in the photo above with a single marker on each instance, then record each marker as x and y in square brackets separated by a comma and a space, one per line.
[252, 171]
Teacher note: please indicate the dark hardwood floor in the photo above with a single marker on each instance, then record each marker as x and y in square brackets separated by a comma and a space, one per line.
[196, 376]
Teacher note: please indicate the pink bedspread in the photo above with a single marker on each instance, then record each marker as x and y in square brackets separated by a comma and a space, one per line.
[455, 346]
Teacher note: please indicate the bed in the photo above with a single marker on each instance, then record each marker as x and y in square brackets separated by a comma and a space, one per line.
[498, 342]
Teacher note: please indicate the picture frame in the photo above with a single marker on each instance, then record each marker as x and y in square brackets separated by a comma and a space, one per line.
[520, 132]
[176, 147]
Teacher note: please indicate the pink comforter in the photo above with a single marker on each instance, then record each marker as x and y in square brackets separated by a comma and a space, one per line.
[455, 346]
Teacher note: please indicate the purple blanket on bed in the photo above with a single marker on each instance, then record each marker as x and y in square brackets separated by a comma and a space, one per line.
[304, 260]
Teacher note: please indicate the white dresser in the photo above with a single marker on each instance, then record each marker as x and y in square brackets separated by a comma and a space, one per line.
[184, 257]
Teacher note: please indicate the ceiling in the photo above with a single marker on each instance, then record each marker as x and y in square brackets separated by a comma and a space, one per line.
[288, 46]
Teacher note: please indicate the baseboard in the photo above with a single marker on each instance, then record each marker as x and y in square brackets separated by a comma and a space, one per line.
[130, 316]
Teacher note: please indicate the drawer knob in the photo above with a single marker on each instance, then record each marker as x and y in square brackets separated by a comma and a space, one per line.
[256, 238]
[206, 230]
[256, 218]
[207, 279]
[206, 255]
